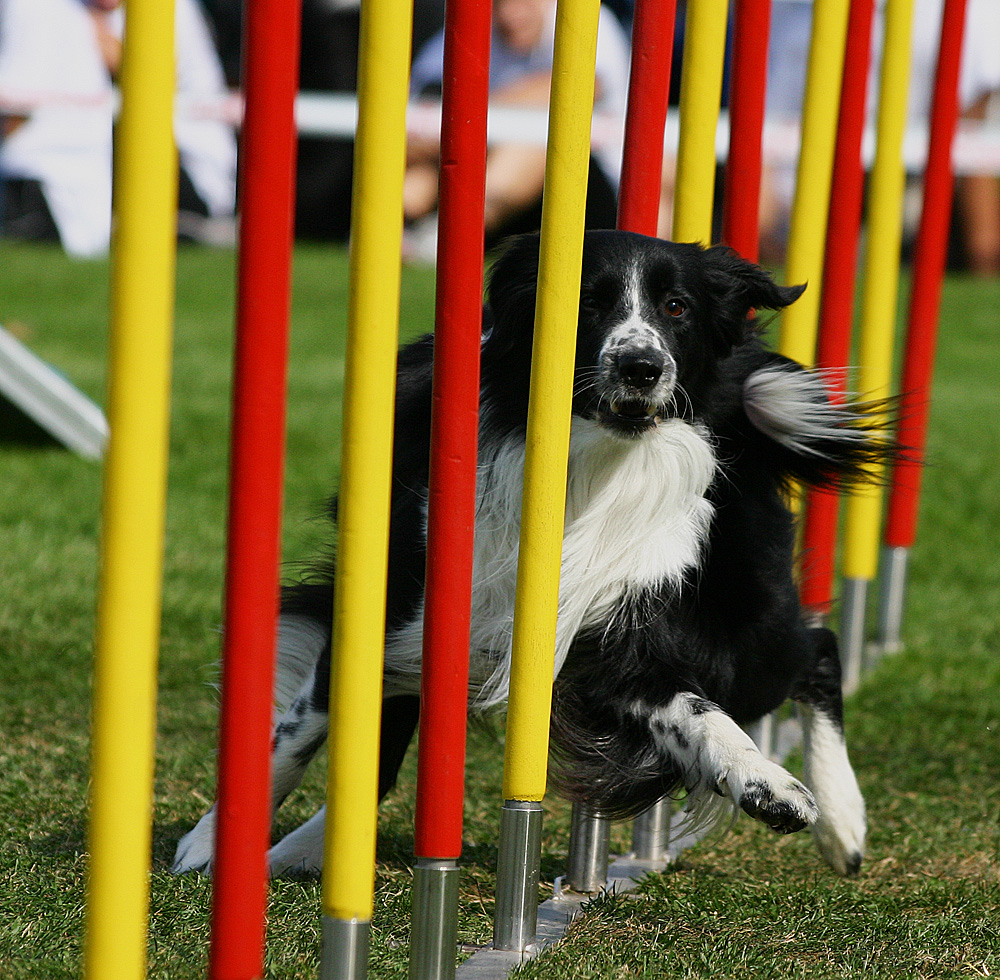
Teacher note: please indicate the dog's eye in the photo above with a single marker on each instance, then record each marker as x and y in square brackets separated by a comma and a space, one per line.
[674, 307]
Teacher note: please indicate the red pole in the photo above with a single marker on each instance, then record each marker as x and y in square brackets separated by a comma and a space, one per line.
[837, 302]
[928, 275]
[741, 206]
[267, 164]
[646, 117]
[454, 431]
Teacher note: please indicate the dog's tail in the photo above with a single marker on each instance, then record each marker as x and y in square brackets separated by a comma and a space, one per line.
[816, 440]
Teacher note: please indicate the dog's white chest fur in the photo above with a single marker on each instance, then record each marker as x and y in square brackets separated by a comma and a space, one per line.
[636, 516]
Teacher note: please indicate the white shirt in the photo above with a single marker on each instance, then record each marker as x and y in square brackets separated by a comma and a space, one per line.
[49, 55]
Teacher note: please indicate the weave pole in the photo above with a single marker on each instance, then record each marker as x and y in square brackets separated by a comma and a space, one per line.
[701, 94]
[267, 179]
[813, 178]
[748, 88]
[546, 453]
[646, 115]
[638, 211]
[451, 511]
[921, 337]
[366, 472]
[878, 321]
[134, 501]
[836, 313]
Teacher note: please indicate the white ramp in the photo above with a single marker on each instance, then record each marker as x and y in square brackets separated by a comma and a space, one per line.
[32, 389]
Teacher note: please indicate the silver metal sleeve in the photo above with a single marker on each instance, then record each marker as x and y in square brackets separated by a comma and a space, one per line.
[434, 920]
[651, 833]
[516, 917]
[854, 593]
[891, 599]
[589, 840]
[345, 949]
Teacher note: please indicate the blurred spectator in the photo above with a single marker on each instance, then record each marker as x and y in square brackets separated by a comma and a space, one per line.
[207, 146]
[977, 197]
[329, 63]
[55, 159]
[520, 74]
[325, 165]
[57, 60]
[976, 246]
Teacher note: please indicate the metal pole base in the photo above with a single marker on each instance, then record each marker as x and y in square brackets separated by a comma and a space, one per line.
[589, 840]
[852, 630]
[518, 868]
[651, 834]
[345, 949]
[434, 919]
[891, 600]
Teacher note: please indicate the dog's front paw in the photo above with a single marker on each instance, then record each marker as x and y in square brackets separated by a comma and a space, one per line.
[771, 795]
[301, 851]
[841, 828]
[196, 849]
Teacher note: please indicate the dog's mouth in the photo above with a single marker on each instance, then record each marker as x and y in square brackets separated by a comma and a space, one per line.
[630, 415]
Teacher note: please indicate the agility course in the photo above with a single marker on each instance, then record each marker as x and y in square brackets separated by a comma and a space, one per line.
[116, 956]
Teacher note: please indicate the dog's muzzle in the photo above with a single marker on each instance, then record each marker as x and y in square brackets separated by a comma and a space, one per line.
[639, 384]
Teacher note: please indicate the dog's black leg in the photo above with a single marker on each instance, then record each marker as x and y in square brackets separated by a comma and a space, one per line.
[715, 754]
[399, 721]
[841, 827]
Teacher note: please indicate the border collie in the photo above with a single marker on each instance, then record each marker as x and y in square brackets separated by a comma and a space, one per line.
[679, 620]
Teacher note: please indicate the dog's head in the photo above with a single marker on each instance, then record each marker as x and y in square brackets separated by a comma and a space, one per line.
[655, 319]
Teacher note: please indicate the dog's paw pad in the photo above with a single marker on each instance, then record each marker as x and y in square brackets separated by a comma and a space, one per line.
[785, 811]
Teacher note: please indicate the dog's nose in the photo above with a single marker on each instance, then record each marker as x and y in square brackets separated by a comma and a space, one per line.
[642, 369]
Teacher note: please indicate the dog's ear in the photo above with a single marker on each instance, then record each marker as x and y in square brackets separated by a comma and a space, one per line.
[512, 284]
[743, 286]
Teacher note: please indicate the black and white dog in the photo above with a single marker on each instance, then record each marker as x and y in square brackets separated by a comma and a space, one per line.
[678, 615]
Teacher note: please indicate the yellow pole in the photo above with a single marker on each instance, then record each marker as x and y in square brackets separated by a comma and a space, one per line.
[810, 208]
[366, 463]
[549, 407]
[128, 616]
[881, 278]
[701, 93]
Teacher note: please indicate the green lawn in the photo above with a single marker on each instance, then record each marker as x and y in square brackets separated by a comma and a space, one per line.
[924, 727]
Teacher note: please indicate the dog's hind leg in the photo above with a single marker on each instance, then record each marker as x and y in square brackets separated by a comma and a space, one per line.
[296, 738]
[302, 849]
[840, 830]
[715, 754]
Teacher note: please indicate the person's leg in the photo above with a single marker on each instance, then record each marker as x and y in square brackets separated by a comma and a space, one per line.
[420, 189]
[978, 199]
[979, 205]
[515, 173]
[24, 212]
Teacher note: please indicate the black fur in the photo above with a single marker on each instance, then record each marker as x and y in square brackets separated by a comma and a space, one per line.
[667, 334]
[736, 637]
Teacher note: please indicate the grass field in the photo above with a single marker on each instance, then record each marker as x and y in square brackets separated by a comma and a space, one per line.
[924, 727]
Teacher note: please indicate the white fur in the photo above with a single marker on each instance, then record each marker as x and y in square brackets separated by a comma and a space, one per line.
[301, 850]
[718, 757]
[841, 828]
[636, 516]
[792, 408]
[300, 642]
[196, 849]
